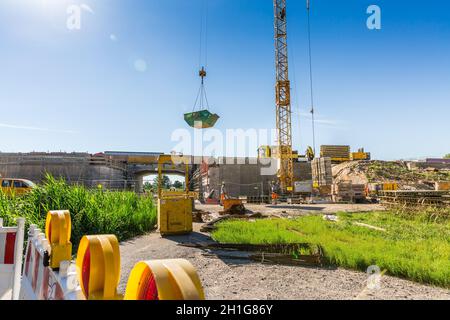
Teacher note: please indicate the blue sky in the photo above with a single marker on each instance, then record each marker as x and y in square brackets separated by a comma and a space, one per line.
[124, 80]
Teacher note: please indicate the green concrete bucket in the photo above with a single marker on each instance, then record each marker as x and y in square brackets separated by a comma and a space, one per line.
[201, 119]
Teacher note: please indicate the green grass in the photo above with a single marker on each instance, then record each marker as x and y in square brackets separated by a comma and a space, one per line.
[124, 214]
[413, 248]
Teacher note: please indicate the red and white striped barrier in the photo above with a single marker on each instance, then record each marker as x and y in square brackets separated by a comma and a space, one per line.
[11, 248]
[39, 281]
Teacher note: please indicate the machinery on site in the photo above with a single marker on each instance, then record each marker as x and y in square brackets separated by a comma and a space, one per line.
[339, 153]
[361, 155]
[271, 152]
[284, 150]
[174, 207]
[283, 100]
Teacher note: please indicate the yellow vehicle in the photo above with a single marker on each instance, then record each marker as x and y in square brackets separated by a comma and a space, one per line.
[174, 207]
[11, 186]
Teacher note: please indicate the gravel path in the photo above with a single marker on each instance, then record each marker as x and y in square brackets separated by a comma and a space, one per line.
[240, 279]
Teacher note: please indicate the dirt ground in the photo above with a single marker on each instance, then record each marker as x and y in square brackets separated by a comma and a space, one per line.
[298, 210]
[242, 279]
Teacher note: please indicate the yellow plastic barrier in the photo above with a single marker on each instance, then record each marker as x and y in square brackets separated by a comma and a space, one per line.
[58, 227]
[98, 267]
[164, 280]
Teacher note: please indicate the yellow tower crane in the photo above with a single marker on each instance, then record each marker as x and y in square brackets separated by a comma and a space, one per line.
[283, 100]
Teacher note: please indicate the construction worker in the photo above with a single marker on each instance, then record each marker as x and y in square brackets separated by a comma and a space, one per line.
[283, 14]
[274, 189]
[223, 193]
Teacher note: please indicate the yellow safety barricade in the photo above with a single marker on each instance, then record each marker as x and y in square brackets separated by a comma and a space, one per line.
[173, 279]
[58, 228]
[98, 267]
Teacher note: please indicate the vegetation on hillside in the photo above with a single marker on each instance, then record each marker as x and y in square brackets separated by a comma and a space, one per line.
[124, 214]
[397, 171]
[415, 247]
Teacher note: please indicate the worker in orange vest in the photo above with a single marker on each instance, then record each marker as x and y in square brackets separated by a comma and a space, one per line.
[274, 189]
[223, 194]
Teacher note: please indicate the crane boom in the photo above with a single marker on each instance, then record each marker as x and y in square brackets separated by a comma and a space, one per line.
[283, 99]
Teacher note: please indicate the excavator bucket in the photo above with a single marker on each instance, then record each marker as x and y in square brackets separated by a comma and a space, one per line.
[201, 119]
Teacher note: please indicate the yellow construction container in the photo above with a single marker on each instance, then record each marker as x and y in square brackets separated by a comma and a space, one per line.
[390, 186]
[175, 215]
[174, 208]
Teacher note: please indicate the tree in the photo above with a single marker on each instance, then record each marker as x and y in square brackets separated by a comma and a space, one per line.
[148, 186]
[447, 156]
[165, 183]
[178, 185]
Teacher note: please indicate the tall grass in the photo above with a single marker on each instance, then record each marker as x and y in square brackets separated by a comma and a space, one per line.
[124, 214]
[414, 248]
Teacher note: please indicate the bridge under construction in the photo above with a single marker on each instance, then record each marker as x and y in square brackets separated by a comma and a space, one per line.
[117, 170]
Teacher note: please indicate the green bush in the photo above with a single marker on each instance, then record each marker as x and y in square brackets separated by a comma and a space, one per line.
[124, 214]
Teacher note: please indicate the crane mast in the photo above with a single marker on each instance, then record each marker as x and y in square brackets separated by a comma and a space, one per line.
[283, 99]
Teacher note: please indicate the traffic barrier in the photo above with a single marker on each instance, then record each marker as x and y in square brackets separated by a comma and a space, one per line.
[39, 280]
[11, 248]
[95, 275]
[58, 228]
[98, 267]
[173, 279]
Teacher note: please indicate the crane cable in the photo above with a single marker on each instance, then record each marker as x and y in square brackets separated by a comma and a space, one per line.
[202, 100]
[311, 76]
[203, 51]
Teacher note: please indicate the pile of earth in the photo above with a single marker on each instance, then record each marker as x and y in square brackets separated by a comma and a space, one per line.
[363, 172]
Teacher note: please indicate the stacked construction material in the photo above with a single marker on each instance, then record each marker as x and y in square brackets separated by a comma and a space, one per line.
[415, 198]
[336, 153]
[349, 192]
[321, 172]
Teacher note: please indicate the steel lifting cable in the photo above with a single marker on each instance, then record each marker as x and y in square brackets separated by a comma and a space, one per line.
[311, 75]
[201, 95]
[297, 102]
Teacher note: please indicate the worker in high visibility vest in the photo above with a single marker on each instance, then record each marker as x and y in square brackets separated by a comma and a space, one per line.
[274, 189]
[223, 193]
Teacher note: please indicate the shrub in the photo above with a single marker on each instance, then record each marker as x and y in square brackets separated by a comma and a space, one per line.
[123, 213]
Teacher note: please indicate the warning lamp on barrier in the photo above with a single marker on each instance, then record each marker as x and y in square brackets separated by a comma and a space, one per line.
[173, 279]
[58, 228]
[98, 267]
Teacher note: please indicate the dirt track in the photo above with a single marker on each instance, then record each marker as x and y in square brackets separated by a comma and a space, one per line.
[241, 279]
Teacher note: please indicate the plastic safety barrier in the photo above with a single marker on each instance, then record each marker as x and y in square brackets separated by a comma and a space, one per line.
[50, 275]
[164, 280]
[98, 267]
[11, 248]
[58, 228]
[39, 280]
